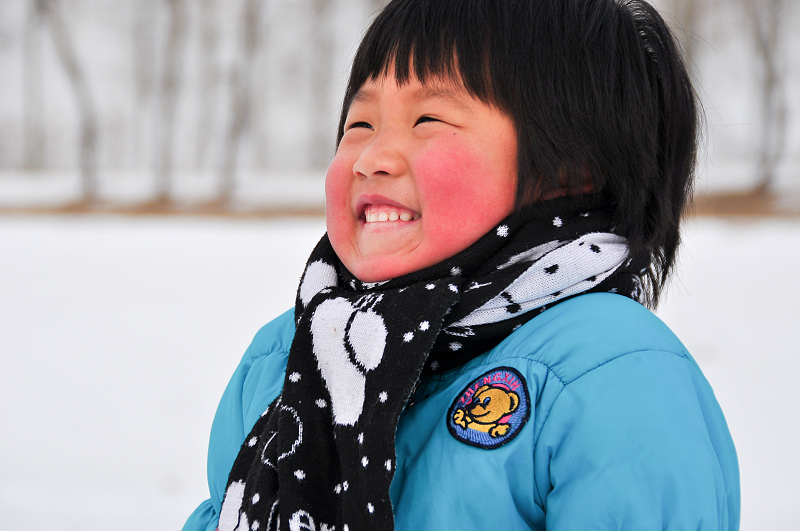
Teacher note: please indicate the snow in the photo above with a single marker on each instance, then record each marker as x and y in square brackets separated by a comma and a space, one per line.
[118, 335]
[275, 189]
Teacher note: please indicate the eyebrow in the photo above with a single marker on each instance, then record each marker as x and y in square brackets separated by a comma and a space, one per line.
[439, 93]
[421, 94]
[364, 96]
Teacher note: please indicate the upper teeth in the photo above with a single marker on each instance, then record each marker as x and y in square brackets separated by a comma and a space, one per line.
[391, 215]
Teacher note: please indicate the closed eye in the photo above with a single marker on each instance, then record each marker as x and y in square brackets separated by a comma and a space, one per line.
[424, 119]
[364, 125]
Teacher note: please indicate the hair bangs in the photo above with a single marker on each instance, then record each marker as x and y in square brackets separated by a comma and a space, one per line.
[429, 40]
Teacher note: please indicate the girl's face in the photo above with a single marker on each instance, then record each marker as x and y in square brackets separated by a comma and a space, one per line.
[421, 173]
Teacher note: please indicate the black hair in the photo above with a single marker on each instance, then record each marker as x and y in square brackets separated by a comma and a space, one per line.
[598, 92]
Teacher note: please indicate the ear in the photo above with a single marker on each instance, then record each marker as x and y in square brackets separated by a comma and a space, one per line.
[514, 401]
[481, 389]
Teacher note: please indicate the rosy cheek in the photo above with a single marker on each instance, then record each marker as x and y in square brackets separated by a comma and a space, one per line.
[465, 195]
[452, 179]
[335, 178]
[337, 200]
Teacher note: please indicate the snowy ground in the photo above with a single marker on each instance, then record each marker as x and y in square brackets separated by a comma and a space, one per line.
[117, 337]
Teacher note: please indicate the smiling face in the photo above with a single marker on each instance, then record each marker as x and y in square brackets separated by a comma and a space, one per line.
[491, 404]
[421, 173]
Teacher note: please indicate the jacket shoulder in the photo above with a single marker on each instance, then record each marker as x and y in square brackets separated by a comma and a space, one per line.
[275, 336]
[255, 383]
[263, 365]
[586, 332]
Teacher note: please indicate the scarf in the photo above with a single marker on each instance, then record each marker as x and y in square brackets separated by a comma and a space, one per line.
[322, 456]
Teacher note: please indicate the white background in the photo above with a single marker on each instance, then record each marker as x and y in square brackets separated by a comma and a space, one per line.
[118, 335]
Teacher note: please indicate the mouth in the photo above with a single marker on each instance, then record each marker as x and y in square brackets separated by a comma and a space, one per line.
[476, 414]
[376, 209]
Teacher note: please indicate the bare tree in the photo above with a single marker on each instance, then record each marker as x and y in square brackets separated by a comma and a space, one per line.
[767, 20]
[80, 88]
[32, 94]
[376, 5]
[144, 71]
[689, 14]
[170, 86]
[209, 78]
[322, 49]
[240, 96]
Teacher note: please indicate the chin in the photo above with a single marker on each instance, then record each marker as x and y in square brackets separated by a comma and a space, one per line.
[380, 270]
[369, 274]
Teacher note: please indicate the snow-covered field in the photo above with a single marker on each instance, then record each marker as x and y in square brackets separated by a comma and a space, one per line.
[118, 335]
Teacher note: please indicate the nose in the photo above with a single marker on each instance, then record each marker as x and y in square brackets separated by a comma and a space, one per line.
[381, 157]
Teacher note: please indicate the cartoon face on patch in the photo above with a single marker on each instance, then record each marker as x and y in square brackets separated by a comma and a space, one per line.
[491, 410]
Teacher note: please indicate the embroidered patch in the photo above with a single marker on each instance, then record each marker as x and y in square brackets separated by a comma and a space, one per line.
[491, 410]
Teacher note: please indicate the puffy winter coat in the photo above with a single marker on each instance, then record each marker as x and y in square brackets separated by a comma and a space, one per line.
[612, 426]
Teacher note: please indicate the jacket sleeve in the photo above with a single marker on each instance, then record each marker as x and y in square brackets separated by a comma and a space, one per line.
[638, 443]
[256, 382]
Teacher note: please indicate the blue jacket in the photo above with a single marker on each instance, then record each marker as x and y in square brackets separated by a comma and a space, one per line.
[622, 431]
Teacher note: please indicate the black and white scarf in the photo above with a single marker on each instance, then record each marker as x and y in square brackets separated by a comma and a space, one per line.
[322, 456]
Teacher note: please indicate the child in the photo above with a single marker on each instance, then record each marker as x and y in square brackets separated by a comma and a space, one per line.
[468, 350]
